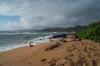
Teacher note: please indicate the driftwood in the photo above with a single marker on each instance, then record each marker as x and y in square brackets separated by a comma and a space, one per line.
[30, 45]
[52, 46]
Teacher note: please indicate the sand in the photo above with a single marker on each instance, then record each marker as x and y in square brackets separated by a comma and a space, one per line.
[68, 53]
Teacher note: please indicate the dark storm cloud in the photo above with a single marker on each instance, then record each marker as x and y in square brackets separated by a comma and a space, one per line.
[37, 14]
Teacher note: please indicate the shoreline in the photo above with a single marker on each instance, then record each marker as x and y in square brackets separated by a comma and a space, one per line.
[24, 45]
[35, 41]
[59, 51]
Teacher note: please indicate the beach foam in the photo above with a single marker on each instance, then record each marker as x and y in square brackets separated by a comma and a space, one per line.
[35, 41]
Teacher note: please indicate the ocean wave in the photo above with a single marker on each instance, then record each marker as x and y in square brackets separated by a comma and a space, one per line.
[35, 41]
[16, 33]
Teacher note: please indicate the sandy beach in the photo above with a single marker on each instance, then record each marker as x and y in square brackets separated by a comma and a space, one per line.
[54, 53]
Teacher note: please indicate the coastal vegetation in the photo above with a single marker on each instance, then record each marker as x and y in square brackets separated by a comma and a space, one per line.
[92, 32]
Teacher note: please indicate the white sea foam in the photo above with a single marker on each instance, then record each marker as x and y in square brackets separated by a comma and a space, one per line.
[35, 41]
[40, 40]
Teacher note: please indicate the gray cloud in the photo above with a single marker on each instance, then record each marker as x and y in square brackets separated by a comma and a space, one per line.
[36, 14]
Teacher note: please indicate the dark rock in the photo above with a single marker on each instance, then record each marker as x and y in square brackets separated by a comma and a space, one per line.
[40, 39]
[59, 36]
[64, 41]
[30, 45]
[79, 39]
[52, 64]
[43, 60]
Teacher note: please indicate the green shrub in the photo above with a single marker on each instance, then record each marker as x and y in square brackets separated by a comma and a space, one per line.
[92, 32]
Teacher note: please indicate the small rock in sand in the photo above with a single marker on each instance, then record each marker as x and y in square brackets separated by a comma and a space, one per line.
[43, 60]
[30, 45]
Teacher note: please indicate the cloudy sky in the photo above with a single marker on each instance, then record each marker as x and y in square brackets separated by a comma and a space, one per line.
[37, 14]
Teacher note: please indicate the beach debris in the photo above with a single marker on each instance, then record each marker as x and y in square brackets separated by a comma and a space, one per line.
[60, 62]
[53, 62]
[61, 65]
[46, 62]
[40, 39]
[59, 36]
[63, 40]
[79, 39]
[52, 46]
[30, 45]
[43, 60]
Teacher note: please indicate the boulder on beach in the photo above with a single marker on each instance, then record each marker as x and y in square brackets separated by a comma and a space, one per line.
[59, 36]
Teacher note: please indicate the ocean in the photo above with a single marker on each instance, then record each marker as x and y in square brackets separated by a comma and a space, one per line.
[12, 40]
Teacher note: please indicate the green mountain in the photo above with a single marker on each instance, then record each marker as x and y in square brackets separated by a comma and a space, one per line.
[68, 29]
[92, 32]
